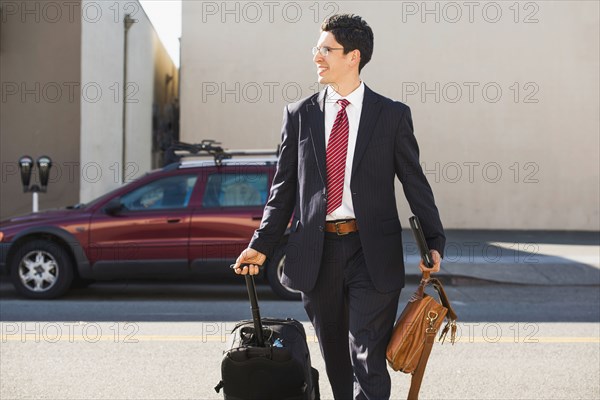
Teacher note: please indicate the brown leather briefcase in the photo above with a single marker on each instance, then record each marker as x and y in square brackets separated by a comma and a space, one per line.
[415, 330]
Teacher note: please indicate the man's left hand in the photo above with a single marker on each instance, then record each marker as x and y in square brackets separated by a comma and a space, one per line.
[437, 261]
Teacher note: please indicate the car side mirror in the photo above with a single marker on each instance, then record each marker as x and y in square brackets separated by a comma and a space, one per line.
[114, 206]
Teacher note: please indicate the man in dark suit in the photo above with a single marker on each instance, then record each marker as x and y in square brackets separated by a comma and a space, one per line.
[340, 153]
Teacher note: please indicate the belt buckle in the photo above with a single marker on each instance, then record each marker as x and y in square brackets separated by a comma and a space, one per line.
[337, 228]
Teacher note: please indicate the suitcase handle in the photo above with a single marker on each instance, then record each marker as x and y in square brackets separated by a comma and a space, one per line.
[258, 329]
[251, 287]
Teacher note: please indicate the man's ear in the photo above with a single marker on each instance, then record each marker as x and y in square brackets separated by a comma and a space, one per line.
[355, 57]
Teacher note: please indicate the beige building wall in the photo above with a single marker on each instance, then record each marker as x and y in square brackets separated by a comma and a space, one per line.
[61, 70]
[504, 95]
[139, 97]
[39, 102]
[107, 158]
[166, 101]
[101, 105]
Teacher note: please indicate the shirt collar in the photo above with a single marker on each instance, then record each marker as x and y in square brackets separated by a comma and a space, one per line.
[355, 98]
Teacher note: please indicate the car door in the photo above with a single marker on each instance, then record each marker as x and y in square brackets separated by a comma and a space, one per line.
[229, 211]
[150, 235]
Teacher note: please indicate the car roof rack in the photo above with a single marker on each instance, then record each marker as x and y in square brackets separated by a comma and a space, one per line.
[180, 150]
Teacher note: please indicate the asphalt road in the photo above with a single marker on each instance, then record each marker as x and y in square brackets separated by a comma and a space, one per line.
[151, 341]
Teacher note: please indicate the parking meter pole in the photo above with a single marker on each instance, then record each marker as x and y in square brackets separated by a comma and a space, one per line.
[35, 202]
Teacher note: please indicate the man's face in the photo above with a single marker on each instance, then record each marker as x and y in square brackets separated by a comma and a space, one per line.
[336, 67]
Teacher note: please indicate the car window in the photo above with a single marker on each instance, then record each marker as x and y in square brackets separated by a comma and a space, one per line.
[171, 192]
[235, 190]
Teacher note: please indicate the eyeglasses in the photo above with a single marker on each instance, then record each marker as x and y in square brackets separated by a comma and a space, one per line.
[324, 50]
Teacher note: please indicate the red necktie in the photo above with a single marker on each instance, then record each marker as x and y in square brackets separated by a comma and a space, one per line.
[337, 148]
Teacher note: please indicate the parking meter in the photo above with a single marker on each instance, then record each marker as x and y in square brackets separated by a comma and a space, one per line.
[44, 164]
[26, 167]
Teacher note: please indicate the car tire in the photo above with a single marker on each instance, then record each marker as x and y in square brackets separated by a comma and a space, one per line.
[41, 269]
[274, 272]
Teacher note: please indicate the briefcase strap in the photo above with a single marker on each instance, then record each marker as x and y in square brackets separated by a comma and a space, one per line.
[439, 288]
[437, 285]
[417, 377]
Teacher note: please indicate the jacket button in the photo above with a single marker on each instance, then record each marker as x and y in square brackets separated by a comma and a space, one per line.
[321, 228]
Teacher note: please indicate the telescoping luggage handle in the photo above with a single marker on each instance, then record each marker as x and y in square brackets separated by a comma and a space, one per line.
[258, 329]
[251, 287]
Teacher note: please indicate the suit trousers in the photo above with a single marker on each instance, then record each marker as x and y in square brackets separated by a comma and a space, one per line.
[352, 320]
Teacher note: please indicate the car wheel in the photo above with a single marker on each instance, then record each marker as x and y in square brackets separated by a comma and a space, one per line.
[274, 272]
[41, 269]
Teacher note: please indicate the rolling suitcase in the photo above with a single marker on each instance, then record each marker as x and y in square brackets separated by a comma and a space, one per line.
[267, 359]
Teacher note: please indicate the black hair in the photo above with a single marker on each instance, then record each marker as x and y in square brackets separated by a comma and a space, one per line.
[353, 33]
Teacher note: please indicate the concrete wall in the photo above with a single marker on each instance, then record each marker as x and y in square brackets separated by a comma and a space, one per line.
[103, 149]
[166, 102]
[102, 104]
[39, 110]
[139, 96]
[61, 69]
[504, 95]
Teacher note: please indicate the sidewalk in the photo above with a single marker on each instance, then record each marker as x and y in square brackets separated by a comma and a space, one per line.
[516, 257]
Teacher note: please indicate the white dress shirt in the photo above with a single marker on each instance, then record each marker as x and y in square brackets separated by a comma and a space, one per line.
[353, 110]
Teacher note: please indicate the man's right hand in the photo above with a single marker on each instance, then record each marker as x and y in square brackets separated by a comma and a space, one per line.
[252, 257]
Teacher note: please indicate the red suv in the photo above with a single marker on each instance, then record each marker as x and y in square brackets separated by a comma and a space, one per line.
[190, 219]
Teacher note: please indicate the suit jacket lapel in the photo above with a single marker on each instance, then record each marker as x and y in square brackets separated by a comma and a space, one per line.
[316, 120]
[371, 109]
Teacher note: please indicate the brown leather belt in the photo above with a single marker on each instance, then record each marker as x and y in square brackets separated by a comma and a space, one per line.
[341, 227]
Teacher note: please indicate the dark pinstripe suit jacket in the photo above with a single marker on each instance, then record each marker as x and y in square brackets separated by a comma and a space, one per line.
[385, 148]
